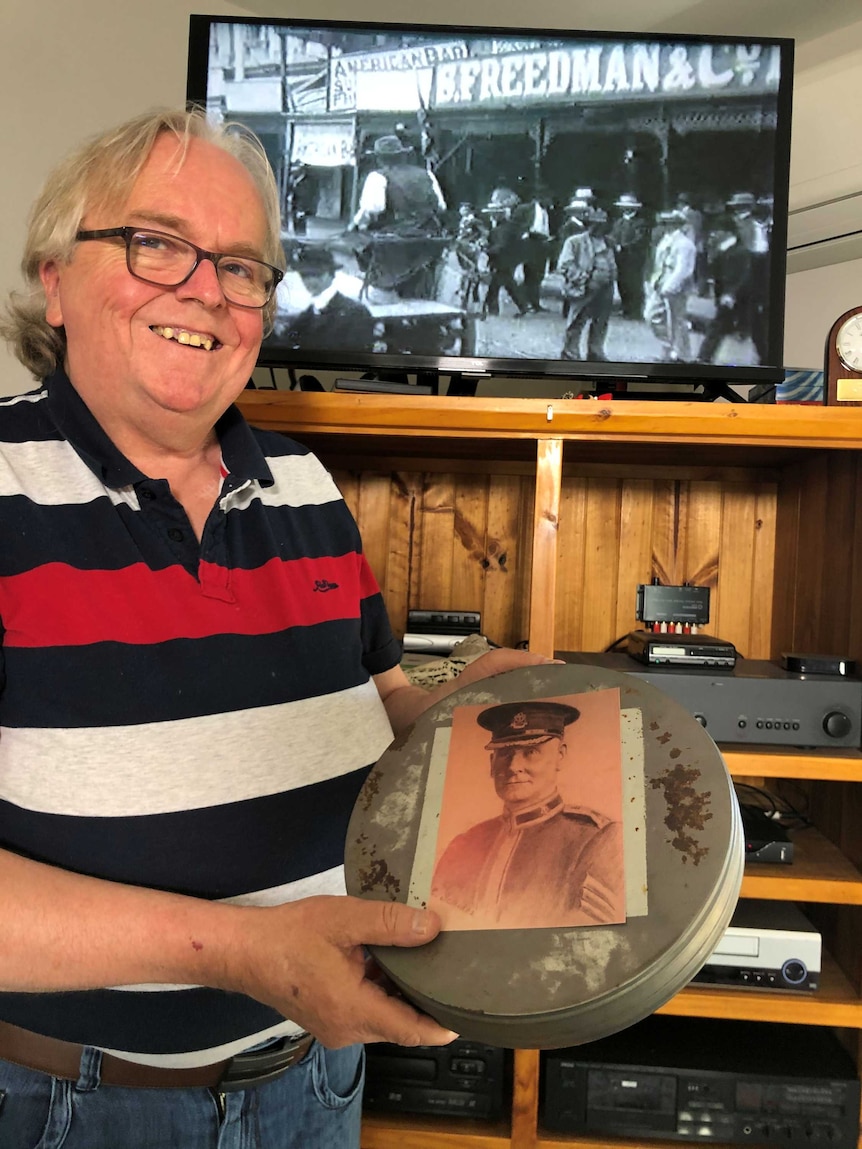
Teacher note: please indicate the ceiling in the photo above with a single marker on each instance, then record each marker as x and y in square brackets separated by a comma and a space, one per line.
[800, 19]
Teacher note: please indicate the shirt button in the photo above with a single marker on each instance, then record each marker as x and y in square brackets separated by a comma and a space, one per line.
[146, 493]
[176, 534]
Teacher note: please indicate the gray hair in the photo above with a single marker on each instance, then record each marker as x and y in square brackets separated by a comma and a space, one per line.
[101, 174]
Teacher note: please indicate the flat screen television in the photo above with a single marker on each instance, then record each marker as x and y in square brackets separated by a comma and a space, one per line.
[517, 202]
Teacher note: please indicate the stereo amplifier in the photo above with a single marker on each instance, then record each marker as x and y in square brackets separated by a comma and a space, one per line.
[755, 701]
[464, 1079]
[701, 1080]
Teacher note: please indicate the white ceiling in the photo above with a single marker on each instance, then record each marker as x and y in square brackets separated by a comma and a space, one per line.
[800, 19]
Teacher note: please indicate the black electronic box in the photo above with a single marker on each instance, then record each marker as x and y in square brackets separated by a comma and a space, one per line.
[702, 1080]
[464, 1079]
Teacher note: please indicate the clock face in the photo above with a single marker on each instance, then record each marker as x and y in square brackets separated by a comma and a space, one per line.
[848, 343]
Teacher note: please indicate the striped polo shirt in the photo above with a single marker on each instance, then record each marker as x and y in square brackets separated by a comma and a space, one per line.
[190, 716]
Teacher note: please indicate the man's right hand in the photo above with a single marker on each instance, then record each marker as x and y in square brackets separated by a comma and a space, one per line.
[307, 960]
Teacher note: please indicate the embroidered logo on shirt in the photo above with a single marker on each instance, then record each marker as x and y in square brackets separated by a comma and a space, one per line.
[322, 585]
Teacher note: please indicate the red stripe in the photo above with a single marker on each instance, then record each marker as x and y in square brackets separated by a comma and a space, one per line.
[58, 605]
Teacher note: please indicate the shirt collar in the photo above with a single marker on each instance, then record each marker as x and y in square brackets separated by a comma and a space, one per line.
[240, 450]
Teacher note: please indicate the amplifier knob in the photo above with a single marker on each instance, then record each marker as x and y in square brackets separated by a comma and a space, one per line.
[837, 724]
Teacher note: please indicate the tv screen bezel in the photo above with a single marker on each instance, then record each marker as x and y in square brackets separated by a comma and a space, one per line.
[683, 372]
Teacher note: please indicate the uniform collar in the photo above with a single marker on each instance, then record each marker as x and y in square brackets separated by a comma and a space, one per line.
[240, 451]
[535, 814]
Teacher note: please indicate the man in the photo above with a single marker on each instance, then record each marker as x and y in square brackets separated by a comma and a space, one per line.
[540, 863]
[629, 236]
[505, 252]
[588, 267]
[738, 266]
[401, 207]
[196, 669]
[672, 280]
[332, 318]
[471, 253]
[534, 221]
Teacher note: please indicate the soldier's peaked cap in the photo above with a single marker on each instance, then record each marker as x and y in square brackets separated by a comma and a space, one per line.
[514, 723]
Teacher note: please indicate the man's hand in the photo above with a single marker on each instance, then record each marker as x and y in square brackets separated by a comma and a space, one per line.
[404, 703]
[307, 960]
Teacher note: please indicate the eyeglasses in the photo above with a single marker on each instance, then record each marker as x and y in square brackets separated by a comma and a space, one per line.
[167, 261]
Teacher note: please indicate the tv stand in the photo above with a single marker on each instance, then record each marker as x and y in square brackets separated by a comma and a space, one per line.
[392, 383]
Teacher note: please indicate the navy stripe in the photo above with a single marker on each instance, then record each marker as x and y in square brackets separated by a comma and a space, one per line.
[185, 679]
[179, 1021]
[101, 536]
[27, 422]
[214, 852]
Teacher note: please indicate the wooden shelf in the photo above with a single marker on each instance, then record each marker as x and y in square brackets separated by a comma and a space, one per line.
[728, 425]
[834, 1003]
[788, 762]
[819, 872]
[389, 1131]
[761, 502]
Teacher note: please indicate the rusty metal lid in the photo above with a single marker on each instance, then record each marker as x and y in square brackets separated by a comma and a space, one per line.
[553, 987]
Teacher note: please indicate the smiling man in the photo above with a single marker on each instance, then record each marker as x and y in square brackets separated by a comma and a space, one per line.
[541, 862]
[184, 722]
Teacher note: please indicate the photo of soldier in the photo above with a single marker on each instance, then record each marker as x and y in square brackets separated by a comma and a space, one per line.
[588, 267]
[629, 236]
[542, 859]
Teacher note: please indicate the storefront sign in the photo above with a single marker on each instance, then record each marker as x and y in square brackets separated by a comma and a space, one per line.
[346, 69]
[322, 145]
[606, 72]
[446, 76]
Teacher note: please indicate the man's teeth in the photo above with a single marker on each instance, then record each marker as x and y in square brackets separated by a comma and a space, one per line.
[189, 338]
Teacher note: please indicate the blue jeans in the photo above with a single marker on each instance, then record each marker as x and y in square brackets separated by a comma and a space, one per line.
[316, 1104]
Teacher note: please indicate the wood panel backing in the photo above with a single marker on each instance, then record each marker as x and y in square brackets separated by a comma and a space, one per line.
[616, 533]
[448, 541]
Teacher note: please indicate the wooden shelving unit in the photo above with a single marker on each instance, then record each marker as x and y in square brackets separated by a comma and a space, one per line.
[544, 515]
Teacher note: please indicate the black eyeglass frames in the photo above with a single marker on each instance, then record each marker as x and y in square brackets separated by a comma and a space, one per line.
[166, 260]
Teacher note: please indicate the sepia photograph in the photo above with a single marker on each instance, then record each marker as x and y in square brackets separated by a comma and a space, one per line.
[530, 831]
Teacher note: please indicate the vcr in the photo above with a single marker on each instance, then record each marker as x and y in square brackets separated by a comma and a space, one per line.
[464, 1079]
[755, 701]
[702, 1080]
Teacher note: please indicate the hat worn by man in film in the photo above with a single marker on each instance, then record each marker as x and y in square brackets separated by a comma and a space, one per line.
[514, 723]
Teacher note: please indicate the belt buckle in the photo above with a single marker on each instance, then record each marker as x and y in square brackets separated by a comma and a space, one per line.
[262, 1065]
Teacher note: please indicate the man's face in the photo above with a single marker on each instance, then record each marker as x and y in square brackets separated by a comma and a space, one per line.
[117, 355]
[316, 281]
[526, 775]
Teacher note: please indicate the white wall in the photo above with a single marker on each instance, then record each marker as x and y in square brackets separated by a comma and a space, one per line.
[72, 68]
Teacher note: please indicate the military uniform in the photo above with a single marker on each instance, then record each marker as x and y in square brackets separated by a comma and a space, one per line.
[554, 864]
[545, 864]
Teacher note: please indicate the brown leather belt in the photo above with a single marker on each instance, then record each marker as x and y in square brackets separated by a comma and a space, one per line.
[63, 1059]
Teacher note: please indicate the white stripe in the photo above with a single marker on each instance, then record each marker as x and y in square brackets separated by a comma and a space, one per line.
[52, 474]
[300, 481]
[36, 396]
[162, 767]
[208, 1056]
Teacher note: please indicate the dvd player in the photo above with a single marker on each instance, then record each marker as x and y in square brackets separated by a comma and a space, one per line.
[768, 945]
[680, 649]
